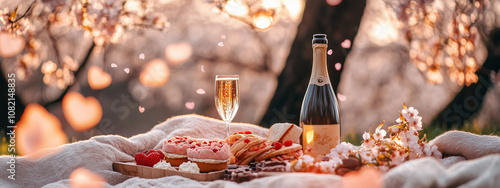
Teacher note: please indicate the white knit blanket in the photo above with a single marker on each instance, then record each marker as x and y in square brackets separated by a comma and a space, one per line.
[474, 161]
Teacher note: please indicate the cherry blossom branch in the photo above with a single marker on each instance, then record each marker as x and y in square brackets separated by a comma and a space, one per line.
[30, 8]
[77, 73]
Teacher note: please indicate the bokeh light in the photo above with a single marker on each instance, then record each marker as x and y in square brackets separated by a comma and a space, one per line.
[178, 53]
[82, 113]
[38, 129]
[333, 2]
[346, 43]
[365, 177]
[263, 21]
[189, 105]
[155, 73]
[83, 178]
[98, 79]
[236, 8]
[10, 45]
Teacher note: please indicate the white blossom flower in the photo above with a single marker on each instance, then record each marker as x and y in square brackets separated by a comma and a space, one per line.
[328, 166]
[383, 168]
[399, 121]
[395, 129]
[436, 153]
[427, 150]
[415, 122]
[409, 112]
[379, 134]
[375, 150]
[366, 155]
[366, 136]
[398, 157]
[368, 143]
[308, 159]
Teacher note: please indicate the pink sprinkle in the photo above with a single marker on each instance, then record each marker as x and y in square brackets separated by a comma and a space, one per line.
[221, 44]
[333, 2]
[200, 91]
[190, 105]
[330, 52]
[346, 44]
[338, 66]
[341, 97]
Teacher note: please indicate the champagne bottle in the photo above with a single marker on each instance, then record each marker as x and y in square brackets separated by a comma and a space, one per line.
[319, 116]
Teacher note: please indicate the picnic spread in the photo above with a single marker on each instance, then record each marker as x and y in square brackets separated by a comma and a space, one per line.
[469, 160]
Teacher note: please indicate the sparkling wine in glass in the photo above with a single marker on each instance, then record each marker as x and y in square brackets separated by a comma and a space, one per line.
[227, 97]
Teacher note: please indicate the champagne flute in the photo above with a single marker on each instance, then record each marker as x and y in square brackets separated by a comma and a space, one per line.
[227, 97]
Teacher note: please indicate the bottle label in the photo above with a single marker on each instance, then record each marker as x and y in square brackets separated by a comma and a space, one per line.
[320, 81]
[318, 140]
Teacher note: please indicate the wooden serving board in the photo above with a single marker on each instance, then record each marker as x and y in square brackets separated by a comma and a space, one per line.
[131, 169]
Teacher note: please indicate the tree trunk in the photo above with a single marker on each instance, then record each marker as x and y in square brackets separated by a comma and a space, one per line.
[470, 99]
[339, 22]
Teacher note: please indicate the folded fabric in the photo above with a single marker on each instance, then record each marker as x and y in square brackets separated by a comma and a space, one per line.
[467, 145]
[98, 153]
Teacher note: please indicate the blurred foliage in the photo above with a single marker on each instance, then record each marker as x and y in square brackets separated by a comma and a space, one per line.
[4, 144]
[491, 128]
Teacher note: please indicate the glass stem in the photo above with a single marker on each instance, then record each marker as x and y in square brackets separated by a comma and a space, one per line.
[227, 127]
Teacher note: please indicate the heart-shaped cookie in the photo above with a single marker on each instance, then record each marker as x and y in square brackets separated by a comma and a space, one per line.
[149, 158]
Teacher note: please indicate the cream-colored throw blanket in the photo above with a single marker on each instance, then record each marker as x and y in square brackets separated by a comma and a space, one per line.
[474, 161]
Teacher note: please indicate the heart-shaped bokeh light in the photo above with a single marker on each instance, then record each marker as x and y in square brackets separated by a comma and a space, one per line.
[38, 129]
[82, 113]
[98, 79]
[155, 73]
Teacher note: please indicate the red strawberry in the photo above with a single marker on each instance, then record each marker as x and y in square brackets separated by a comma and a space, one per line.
[215, 150]
[288, 143]
[246, 140]
[277, 145]
[248, 132]
[149, 159]
[241, 132]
